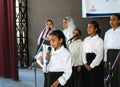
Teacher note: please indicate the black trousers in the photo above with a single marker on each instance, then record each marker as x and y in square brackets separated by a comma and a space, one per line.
[111, 56]
[53, 76]
[94, 77]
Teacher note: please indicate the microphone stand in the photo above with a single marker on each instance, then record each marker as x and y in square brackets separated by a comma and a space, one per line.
[34, 63]
[109, 76]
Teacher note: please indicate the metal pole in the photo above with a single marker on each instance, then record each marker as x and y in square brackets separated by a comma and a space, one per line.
[35, 74]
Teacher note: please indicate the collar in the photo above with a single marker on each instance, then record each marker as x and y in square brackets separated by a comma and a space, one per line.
[116, 29]
[77, 40]
[59, 50]
[94, 37]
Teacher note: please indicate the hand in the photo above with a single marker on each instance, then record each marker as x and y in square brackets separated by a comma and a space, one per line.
[105, 64]
[79, 68]
[41, 60]
[55, 84]
[86, 66]
[48, 56]
[89, 68]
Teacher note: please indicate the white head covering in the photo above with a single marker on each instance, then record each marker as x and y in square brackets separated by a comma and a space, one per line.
[71, 26]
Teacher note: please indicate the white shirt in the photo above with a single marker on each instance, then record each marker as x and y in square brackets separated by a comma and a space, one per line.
[61, 62]
[76, 51]
[93, 45]
[111, 40]
[68, 34]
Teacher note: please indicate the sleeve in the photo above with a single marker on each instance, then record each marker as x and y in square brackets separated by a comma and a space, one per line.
[99, 55]
[105, 48]
[84, 54]
[80, 54]
[67, 71]
[38, 41]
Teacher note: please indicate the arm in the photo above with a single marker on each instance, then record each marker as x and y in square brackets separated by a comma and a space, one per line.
[67, 71]
[99, 55]
[105, 50]
[80, 57]
[80, 54]
[84, 54]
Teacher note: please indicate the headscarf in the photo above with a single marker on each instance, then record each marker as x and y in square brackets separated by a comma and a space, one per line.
[45, 34]
[71, 26]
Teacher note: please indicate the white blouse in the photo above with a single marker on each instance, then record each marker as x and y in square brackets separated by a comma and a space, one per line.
[61, 62]
[111, 40]
[93, 45]
[68, 34]
[76, 51]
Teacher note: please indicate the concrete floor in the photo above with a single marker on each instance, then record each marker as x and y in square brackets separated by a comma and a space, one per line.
[26, 77]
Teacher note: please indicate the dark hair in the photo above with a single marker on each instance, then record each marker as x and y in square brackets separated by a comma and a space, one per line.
[50, 21]
[117, 15]
[96, 26]
[79, 31]
[60, 35]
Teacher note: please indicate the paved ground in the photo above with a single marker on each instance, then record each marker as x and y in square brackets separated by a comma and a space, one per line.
[27, 79]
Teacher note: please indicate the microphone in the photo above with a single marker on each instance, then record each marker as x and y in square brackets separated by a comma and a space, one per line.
[72, 37]
[48, 53]
[49, 50]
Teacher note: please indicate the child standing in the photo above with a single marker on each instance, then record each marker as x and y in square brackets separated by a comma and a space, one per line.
[69, 26]
[76, 51]
[93, 74]
[44, 43]
[60, 64]
[112, 47]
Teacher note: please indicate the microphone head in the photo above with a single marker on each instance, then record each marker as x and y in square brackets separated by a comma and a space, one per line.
[49, 28]
[49, 50]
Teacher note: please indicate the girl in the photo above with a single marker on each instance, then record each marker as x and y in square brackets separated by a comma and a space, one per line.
[69, 26]
[112, 47]
[43, 44]
[93, 74]
[60, 66]
[76, 51]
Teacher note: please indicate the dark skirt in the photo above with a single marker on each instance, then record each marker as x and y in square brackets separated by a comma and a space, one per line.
[111, 56]
[46, 78]
[76, 77]
[53, 76]
[94, 77]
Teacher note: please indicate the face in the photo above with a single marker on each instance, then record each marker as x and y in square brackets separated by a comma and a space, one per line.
[114, 21]
[55, 42]
[75, 32]
[65, 24]
[49, 25]
[91, 31]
